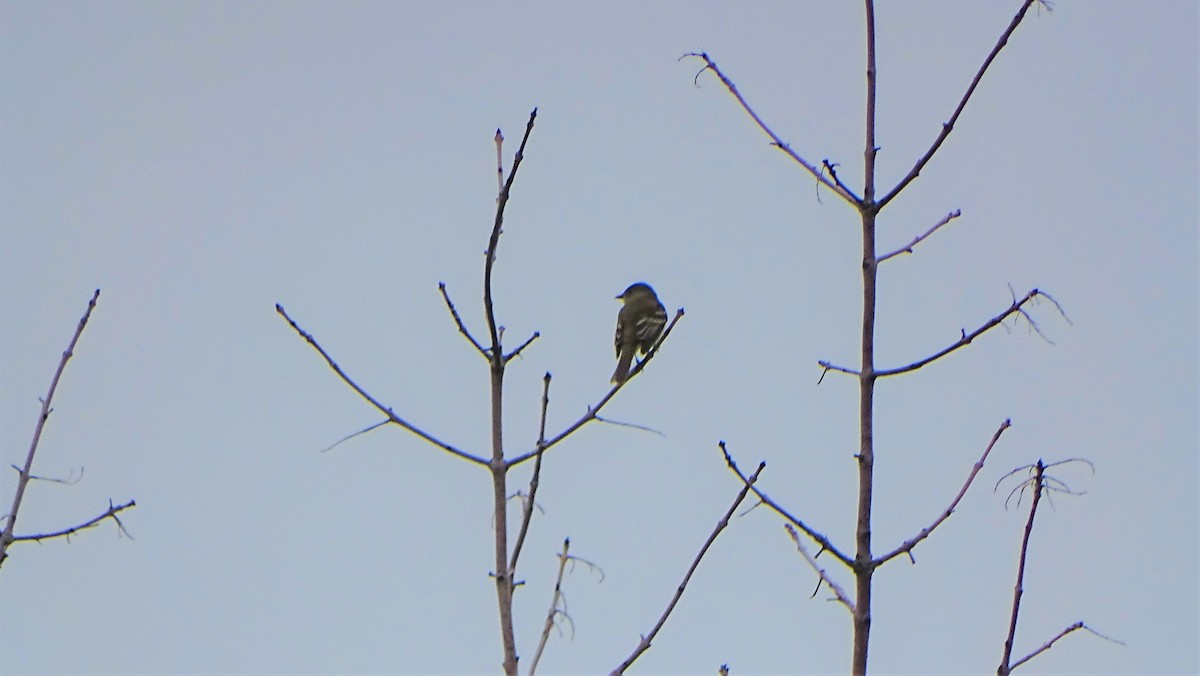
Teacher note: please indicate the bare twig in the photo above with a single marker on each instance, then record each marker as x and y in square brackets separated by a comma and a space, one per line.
[1039, 484]
[907, 547]
[1046, 646]
[948, 126]
[6, 535]
[348, 437]
[917, 240]
[512, 355]
[644, 644]
[71, 479]
[110, 513]
[1017, 307]
[820, 539]
[527, 512]
[499, 163]
[826, 367]
[392, 417]
[462, 328]
[1019, 589]
[554, 610]
[834, 185]
[494, 240]
[839, 593]
[592, 412]
[629, 424]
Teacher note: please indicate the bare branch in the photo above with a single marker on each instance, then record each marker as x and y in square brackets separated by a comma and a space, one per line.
[1015, 308]
[948, 126]
[592, 412]
[462, 328]
[644, 644]
[835, 186]
[917, 240]
[820, 539]
[110, 513]
[392, 417]
[6, 534]
[907, 547]
[839, 593]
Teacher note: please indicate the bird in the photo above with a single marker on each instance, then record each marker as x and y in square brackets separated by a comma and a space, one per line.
[639, 324]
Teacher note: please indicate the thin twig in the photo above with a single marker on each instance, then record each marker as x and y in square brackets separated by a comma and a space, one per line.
[462, 328]
[554, 611]
[6, 535]
[392, 417]
[1015, 308]
[826, 367]
[839, 593]
[494, 240]
[499, 163]
[527, 512]
[835, 186]
[1019, 589]
[593, 411]
[948, 126]
[110, 513]
[348, 437]
[820, 539]
[512, 355]
[629, 424]
[644, 644]
[1046, 646]
[917, 240]
[907, 547]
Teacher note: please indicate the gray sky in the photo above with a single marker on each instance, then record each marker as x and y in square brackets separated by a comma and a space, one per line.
[200, 162]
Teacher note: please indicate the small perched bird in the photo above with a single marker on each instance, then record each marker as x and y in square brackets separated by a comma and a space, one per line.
[639, 324]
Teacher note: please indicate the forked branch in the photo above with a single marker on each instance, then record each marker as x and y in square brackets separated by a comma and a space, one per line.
[25, 474]
[820, 539]
[387, 411]
[835, 185]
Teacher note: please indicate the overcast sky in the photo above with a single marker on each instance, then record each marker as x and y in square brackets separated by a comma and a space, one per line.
[201, 161]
